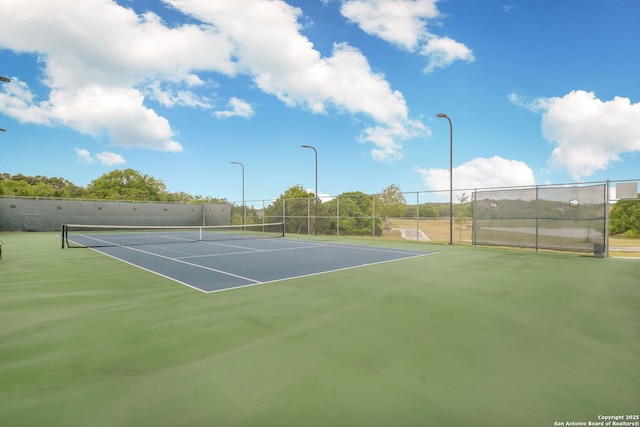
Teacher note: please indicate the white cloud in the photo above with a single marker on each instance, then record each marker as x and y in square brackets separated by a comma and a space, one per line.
[404, 23]
[536, 105]
[97, 55]
[110, 159]
[324, 197]
[480, 173]
[171, 94]
[589, 134]
[102, 62]
[239, 108]
[386, 139]
[118, 112]
[442, 52]
[401, 22]
[83, 156]
[299, 75]
[106, 158]
[19, 102]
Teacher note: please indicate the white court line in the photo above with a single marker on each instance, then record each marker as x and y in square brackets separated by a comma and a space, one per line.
[303, 245]
[319, 273]
[226, 273]
[150, 271]
[250, 251]
[253, 282]
[227, 245]
[114, 240]
[343, 245]
[370, 248]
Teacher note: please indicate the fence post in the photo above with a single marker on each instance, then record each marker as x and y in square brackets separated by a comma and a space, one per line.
[373, 216]
[417, 217]
[473, 216]
[309, 216]
[337, 216]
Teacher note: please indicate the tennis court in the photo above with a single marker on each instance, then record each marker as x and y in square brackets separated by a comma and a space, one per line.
[212, 259]
[468, 337]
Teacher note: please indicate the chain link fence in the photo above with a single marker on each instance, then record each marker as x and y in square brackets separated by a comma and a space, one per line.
[363, 215]
[565, 217]
[573, 217]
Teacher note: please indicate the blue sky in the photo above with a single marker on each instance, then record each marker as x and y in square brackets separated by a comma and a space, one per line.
[540, 91]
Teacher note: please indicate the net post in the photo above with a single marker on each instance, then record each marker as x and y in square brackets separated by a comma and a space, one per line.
[63, 233]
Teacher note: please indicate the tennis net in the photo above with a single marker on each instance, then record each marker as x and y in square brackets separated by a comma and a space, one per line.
[92, 236]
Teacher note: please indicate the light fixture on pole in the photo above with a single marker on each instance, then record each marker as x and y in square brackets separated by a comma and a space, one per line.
[444, 116]
[316, 194]
[244, 207]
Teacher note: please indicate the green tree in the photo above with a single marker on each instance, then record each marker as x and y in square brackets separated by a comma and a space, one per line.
[296, 203]
[38, 186]
[15, 188]
[198, 199]
[127, 184]
[624, 218]
[355, 210]
[390, 202]
[427, 211]
[179, 197]
[64, 188]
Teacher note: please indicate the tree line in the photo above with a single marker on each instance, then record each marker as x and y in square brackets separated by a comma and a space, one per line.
[624, 218]
[127, 184]
[351, 213]
[359, 213]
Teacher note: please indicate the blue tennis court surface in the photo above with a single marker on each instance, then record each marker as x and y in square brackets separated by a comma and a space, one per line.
[211, 266]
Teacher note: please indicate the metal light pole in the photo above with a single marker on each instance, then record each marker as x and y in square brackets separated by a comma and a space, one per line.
[444, 116]
[6, 80]
[316, 195]
[244, 207]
